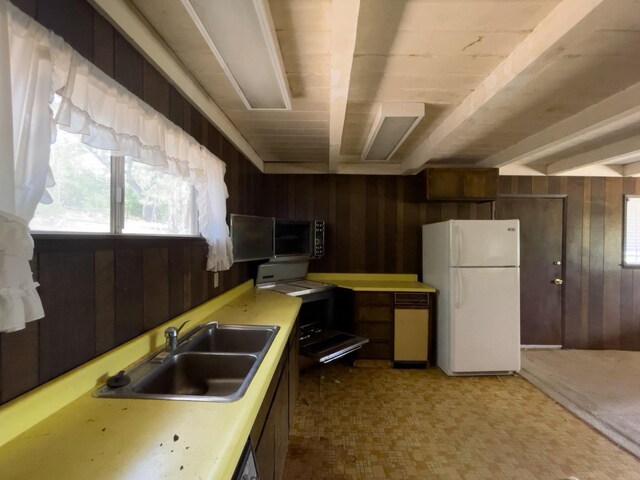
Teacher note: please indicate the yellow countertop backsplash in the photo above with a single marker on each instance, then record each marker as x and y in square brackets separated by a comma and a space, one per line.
[373, 282]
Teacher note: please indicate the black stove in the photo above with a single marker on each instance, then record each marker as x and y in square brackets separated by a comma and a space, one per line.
[317, 340]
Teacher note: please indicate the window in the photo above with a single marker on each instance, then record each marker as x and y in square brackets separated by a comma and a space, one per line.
[631, 230]
[155, 202]
[80, 199]
[95, 192]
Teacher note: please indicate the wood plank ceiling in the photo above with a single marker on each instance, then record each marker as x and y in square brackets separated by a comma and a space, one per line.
[546, 87]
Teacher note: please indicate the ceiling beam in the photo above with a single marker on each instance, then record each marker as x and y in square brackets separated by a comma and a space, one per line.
[567, 23]
[296, 167]
[136, 29]
[601, 170]
[610, 115]
[627, 150]
[344, 22]
[369, 168]
[344, 168]
[631, 169]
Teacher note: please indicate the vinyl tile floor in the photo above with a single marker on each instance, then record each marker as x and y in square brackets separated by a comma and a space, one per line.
[382, 423]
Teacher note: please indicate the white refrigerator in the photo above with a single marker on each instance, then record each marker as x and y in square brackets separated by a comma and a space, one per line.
[475, 265]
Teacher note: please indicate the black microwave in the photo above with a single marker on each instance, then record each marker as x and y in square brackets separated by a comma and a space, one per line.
[297, 238]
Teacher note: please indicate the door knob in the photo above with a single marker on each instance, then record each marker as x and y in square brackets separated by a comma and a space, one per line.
[557, 262]
[557, 281]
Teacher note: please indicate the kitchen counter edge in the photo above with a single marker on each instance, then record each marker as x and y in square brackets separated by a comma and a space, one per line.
[377, 282]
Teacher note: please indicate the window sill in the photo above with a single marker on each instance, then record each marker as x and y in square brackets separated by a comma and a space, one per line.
[109, 236]
[71, 242]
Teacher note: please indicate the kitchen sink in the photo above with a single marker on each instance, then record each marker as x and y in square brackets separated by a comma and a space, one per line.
[199, 374]
[230, 339]
[212, 363]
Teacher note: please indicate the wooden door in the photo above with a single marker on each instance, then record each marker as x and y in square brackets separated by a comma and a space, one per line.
[541, 256]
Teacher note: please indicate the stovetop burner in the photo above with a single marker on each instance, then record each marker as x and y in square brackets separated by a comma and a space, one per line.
[297, 288]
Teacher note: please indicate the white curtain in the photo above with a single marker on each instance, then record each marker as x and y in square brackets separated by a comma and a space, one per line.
[109, 117]
[26, 68]
[35, 63]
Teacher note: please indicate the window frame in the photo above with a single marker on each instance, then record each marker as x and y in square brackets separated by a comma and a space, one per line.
[117, 211]
[625, 201]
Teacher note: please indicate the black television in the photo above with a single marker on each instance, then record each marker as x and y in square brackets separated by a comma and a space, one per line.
[252, 237]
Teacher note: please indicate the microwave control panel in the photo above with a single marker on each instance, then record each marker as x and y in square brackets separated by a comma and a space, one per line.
[318, 239]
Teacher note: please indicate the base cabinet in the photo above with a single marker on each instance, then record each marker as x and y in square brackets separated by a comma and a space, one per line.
[412, 330]
[373, 319]
[374, 316]
[265, 451]
[270, 432]
[280, 414]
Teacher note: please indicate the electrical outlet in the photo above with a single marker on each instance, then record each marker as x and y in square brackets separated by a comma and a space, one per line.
[216, 280]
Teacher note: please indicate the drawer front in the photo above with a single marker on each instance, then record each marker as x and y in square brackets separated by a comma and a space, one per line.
[374, 314]
[375, 350]
[374, 330]
[365, 299]
[412, 300]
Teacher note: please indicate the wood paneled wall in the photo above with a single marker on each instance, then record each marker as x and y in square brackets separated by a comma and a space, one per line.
[373, 226]
[372, 222]
[601, 299]
[99, 292]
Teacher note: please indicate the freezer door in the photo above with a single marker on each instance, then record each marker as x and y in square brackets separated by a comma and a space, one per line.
[485, 320]
[485, 243]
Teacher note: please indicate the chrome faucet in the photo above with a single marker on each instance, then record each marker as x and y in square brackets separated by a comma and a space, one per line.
[171, 334]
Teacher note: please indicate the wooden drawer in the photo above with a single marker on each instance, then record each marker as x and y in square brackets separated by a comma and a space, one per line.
[375, 350]
[374, 314]
[368, 299]
[374, 331]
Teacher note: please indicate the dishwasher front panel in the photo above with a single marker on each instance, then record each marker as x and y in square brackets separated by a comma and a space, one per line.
[411, 335]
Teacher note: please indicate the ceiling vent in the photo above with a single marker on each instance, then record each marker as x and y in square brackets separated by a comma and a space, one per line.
[392, 125]
[241, 35]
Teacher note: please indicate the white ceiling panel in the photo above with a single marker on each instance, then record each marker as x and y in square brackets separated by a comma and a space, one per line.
[435, 52]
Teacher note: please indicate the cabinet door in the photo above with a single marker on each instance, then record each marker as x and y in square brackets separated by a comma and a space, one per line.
[280, 412]
[411, 335]
[294, 373]
[374, 320]
[462, 184]
[265, 451]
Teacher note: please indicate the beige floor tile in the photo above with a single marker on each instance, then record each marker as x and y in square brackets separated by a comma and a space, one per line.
[373, 422]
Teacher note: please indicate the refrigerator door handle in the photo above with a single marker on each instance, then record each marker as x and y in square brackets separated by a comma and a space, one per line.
[458, 288]
[458, 245]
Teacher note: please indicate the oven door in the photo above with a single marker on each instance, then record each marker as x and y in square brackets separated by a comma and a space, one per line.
[325, 345]
[318, 339]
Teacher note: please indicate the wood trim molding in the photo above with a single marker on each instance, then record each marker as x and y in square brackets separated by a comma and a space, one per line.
[532, 195]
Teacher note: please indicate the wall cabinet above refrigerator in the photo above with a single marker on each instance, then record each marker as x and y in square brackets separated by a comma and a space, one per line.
[461, 184]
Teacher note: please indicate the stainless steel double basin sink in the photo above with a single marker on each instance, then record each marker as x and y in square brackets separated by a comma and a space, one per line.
[212, 363]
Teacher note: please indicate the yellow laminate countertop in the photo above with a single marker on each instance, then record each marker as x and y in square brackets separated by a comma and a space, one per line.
[374, 282]
[100, 438]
